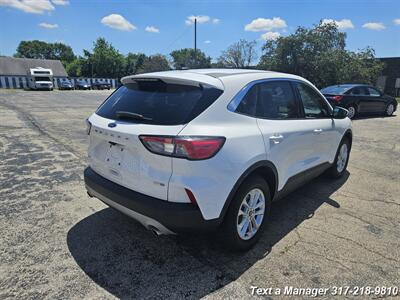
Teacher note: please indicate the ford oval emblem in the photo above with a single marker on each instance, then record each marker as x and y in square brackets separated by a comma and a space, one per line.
[112, 125]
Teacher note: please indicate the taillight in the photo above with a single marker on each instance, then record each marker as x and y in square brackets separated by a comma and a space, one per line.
[337, 98]
[189, 147]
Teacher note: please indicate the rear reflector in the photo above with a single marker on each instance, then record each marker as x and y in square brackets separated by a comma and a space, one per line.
[192, 198]
[189, 147]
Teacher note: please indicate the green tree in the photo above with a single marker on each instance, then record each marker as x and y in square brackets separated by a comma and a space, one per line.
[238, 55]
[154, 63]
[74, 68]
[33, 49]
[134, 62]
[104, 61]
[62, 52]
[360, 67]
[86, 66]
[42, 50]
[188, 58]
[319, 55]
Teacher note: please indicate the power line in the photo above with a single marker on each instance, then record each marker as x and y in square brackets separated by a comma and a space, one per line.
[178, 38]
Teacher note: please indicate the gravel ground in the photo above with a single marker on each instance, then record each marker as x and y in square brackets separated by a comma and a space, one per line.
[57, 243]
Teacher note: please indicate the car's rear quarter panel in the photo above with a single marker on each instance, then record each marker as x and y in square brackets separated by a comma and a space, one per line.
[212, 180]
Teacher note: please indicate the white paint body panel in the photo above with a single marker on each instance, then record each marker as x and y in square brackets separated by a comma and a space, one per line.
[304, 144]
[247, 142]
[140, 170]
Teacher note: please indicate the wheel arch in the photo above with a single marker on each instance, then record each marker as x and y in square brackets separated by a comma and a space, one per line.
[348, 135]
[394, 102]
[265, 169]
[355, 104]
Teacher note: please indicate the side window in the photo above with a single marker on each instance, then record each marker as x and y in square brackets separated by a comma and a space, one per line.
[356, 91]
[359, 91]
[248, 104]
[276, 100]
[314, 105]
[373, 92]
[364, 91]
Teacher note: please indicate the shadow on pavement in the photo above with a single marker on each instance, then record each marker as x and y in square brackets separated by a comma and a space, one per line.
[130, 262]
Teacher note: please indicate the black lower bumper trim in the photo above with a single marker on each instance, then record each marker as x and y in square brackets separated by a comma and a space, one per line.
[177, 217]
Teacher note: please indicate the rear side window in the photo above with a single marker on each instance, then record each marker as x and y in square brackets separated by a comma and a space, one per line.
[159, 103]
[249, 102]
[373, 92]
[360, 90]
[276, 100]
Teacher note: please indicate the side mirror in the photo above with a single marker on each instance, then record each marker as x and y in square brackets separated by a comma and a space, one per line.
[339, 112]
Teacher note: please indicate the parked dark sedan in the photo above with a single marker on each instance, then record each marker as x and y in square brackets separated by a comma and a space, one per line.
[82, 84]
[101, 85]
[66, 85]
[360, 99]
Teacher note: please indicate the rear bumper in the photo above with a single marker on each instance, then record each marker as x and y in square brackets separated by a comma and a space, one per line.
[164, 216]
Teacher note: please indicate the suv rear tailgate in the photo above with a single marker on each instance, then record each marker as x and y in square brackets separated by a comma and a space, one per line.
[157, 105]
[118, 155]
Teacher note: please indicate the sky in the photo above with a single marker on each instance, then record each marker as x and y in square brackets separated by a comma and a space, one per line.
[161, 26]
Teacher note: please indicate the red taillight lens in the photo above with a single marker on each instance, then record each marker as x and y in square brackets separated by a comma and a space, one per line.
[197, 148]
[337, 98]
[159, 144]
[189, 147]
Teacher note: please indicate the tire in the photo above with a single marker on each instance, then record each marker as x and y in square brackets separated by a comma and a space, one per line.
[352, 111]
[341, 159]
[389, 110]
[236, 214]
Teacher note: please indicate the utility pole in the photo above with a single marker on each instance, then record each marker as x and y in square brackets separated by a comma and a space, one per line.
[195, 35]
[195, 40]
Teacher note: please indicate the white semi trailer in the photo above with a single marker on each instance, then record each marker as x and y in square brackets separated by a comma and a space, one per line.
[40, 79]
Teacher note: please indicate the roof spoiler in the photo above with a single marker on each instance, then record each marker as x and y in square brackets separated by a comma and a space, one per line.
[184, 78]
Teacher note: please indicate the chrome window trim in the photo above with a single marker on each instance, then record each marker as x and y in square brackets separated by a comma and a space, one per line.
[234, 103]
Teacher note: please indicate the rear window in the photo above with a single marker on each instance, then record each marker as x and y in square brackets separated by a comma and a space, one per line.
[159, 103]
[336, 90]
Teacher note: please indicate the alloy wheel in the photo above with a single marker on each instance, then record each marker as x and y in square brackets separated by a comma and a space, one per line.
[390, 109]
[351, 112]
[342, 158]
[251, 214]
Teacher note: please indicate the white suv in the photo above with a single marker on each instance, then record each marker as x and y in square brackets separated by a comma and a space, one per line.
[195, 150]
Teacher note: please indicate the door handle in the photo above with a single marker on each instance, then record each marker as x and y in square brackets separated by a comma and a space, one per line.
[317, 131]
[276, 138]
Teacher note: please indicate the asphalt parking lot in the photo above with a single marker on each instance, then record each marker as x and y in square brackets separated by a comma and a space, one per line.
[56, 242]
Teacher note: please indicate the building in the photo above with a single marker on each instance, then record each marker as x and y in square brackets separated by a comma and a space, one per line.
[14, 72]
[389, 81]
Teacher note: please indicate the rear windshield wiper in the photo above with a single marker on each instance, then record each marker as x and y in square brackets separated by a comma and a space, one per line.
[131, 115]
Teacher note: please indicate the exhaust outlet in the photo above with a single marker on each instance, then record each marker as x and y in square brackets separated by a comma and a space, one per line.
[154, 230]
